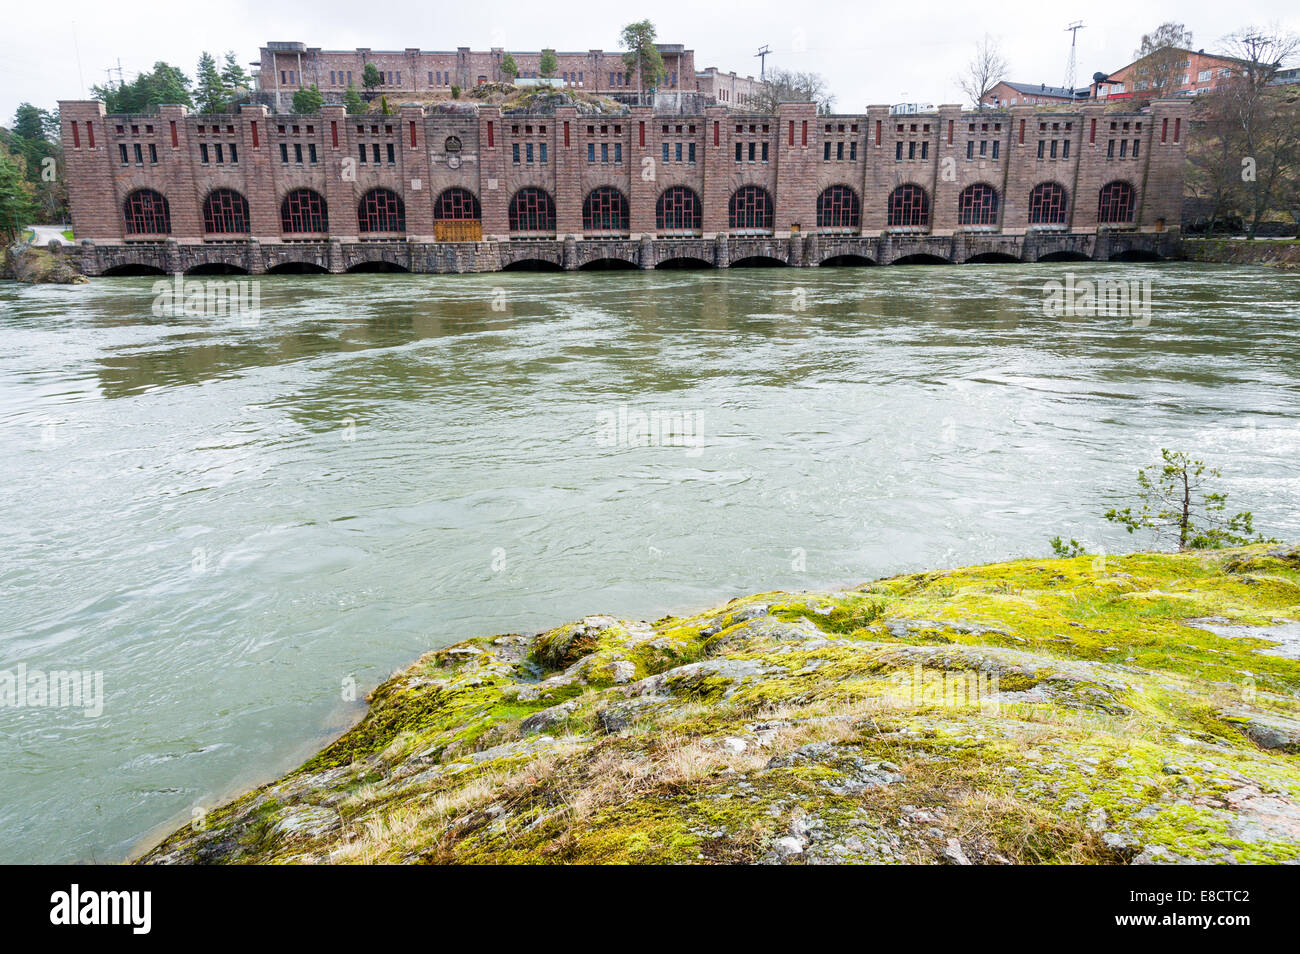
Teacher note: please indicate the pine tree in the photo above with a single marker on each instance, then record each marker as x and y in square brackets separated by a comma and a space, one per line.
[211, 91]
[353, 102]
[549, 64]
[233, 76]
[508, 67]
[308, 99]
[17, 205]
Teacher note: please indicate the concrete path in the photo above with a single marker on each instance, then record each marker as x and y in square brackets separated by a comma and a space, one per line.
[43, 234]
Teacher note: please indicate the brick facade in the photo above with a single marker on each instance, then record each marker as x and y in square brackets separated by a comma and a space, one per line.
[793, 156]
[284, 68]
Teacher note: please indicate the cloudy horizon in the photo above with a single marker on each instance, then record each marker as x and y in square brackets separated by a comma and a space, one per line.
[898, 54]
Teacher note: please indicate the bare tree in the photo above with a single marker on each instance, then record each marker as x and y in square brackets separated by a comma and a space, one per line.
[986, 69]
[1263, 121]
[1261, 52]
[785, 86]
[1160, 60]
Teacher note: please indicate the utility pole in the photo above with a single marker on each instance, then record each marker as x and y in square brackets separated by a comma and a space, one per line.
[1073, 29]
[762, 53]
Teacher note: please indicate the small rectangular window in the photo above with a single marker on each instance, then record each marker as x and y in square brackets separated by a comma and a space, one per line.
[1110, 149]
[1136, 143]
[516, 153]
[618, 152]
[1065, 149]
[392, 159]
[739, 152]
[925, 149]
[853, 150]
[1041, 146]
[139, 156]
[297, 153]
[284, 153]
[826, 147]
[690, 152]
[203, 152]
[898, 151]
[764, 154]
[604, 152]
[374, 152]
[221, 154]
[970, 148]
[362, 149]
[839, 150]
[122, 147]
[528, 152]
[996, 143]
[543, 152]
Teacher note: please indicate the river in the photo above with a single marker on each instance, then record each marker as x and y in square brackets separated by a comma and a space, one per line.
[231, 520]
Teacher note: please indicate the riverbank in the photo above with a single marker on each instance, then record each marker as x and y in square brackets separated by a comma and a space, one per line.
[1138, 708]
[1275, 253]
[39, 266]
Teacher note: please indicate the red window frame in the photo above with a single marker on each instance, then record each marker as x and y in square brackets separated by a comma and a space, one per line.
[978, 205]
[225, 212]
[909, 207]
[1115, 203]
[304, 211]
[532, 210]
[146, 212]
[381, 210]
[1049, 204]
[750, 207]
[605, 210]
[838, 207]
[679, 210]
[457, 205]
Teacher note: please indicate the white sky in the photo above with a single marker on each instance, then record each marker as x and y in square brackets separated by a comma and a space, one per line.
[869, 53]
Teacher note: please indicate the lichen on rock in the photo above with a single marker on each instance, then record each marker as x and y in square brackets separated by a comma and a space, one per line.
[1135, 709]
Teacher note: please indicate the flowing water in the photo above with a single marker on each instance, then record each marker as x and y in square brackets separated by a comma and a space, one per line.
[231, 520]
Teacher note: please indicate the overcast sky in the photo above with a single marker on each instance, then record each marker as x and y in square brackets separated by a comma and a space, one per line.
[869, 53]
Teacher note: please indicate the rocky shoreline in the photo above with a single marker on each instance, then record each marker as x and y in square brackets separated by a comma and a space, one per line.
[1132, 709]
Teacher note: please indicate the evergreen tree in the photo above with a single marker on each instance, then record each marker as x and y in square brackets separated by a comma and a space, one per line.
[211, 92]
[234, 77]
[508, 67]
[371, 80]
[638, 40]
[549, 64]
[17, 202]
[353, 101]
[308, 99]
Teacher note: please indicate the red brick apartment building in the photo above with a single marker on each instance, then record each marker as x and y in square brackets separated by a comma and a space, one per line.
[286, 67]
[1198, 73]
[459, 188]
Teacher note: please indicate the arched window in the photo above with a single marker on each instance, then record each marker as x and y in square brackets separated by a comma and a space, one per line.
[532, 210]
[838, 208]
[225, 212]
[147, 213]
[978, 205]
[304, 211]
[750, 208]
[456, 205]
[909, 206]
[1049, 204]
[1115, 204]
[605, 210]
[678, 210]
[381, 210]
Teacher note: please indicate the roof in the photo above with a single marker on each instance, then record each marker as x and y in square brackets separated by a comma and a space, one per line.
[1212, 56]
[1042, 89]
